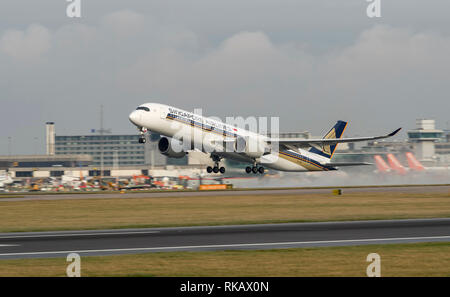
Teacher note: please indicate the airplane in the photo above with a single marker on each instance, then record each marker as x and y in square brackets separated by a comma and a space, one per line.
[381, 164]
[396, 165]
[415, 165]
[222, 140]
[5, 180]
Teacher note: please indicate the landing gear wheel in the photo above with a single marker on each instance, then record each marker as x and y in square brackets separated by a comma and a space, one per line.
[142, 132]
[248, 169]
[255, 170]
[216, 169]
[209, 169]
[261, 170]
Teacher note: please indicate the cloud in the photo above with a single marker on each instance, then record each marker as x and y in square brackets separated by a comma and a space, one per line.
[387, 70]
[389, 67]
[242, 62]
[124, 22]
[126, 58]
[26, 45]
[386, 53]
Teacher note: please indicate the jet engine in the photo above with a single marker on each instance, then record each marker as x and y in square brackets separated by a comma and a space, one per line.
[166, 148]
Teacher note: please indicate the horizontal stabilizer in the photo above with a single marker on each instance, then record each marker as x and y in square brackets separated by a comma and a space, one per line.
[341, 164]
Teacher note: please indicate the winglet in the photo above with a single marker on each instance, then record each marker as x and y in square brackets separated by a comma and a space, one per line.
[395, 132]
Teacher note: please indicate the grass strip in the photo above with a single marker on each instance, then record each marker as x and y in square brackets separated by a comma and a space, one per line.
[419, 259]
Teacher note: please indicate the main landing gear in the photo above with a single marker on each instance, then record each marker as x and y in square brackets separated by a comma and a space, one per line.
[216, 168]
[142, 139]
[255, 169]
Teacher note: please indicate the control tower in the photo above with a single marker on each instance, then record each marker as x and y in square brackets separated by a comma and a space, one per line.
[423, 139]
[50, 138]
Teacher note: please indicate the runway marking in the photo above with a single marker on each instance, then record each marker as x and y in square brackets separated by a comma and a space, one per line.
[77, 234]
[5, 245]
[229, 245]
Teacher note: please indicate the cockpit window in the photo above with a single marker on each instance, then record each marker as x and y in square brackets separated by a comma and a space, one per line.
[143, 108]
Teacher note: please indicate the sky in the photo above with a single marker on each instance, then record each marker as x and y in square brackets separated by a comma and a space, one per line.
[308, 62]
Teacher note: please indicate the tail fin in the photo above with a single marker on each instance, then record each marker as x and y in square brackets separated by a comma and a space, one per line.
[413, 163]
[395, 164]
[381, 164]
[335, 132]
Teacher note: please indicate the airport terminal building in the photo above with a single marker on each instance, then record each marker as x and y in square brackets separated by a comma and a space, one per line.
[123, 155]
[28, 166]
[115, 150]
[119, 150]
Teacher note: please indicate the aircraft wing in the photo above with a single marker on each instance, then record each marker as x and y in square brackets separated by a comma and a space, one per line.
[300, 142]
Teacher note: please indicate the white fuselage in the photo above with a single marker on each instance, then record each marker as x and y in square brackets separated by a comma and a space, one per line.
[211, 136]
[5, 180]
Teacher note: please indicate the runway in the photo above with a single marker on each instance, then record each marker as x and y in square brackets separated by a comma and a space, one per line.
[213, 238]
[243, 192]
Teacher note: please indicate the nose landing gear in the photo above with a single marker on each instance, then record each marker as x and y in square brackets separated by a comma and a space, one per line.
[142, 138]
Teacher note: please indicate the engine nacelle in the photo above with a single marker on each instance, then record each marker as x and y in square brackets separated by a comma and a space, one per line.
[165, 148]
[253, 148]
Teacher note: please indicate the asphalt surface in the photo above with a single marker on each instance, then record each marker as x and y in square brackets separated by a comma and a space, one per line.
[281, 191]
[211, 238]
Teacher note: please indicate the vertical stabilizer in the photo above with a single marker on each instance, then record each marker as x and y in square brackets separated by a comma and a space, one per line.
[395, 164]
[413, 163]
[336, 132]
[381, 164]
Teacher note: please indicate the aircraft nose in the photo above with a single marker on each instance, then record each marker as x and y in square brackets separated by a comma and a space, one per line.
[135, 117]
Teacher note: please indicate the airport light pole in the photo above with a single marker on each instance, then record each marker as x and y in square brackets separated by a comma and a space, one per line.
[9, 146]
[101, 143]
[101, 131]
[35, 145]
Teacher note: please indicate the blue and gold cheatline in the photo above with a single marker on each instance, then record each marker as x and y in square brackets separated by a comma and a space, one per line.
[304, 161]
[204, 127]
